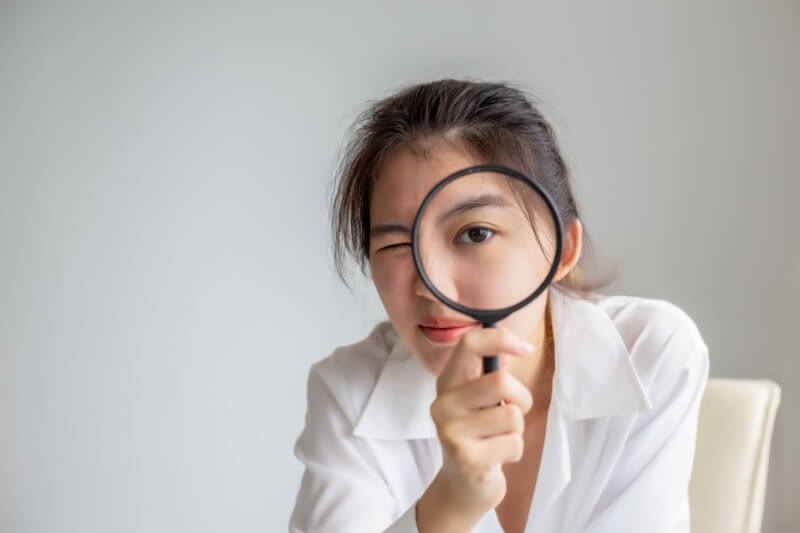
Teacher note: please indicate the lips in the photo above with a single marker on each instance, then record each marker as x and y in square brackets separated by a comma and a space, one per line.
[445, 330]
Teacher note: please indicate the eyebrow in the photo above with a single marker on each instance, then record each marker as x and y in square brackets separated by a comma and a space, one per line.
[484, 200]
[384, 229]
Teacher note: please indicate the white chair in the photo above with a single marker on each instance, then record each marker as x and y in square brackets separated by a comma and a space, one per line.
[734, 431]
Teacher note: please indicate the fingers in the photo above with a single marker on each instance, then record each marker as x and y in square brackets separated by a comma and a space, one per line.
[476, 433]
[485, 423]
[461, 429]
[475, 458]
[465, 364]
[490, 389]
[506, 448]
[485, 392]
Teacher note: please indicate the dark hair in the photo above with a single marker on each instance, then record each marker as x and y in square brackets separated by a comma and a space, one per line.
[494, 121]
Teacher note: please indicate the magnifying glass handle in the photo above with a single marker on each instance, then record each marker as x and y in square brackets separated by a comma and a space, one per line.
[491, 363]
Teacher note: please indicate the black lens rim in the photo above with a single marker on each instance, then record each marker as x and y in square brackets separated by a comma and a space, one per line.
[487, 316]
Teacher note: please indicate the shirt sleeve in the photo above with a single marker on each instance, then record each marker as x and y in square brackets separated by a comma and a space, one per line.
[341, 488]
[649, 488]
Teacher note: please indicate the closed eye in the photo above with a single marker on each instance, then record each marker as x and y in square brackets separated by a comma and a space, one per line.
[393, 246]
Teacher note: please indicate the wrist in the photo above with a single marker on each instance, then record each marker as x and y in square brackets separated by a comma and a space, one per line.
[436, 513]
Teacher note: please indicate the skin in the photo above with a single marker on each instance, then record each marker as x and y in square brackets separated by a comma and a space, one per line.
[491, 452]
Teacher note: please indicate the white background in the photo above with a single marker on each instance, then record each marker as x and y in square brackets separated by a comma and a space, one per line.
[165, 273]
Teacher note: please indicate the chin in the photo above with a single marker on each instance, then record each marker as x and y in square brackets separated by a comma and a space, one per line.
[432, 356]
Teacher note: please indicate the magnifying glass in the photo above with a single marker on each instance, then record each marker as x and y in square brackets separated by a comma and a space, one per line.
[487, 240]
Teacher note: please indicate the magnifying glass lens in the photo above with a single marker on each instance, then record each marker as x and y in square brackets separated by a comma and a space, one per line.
[487, 240]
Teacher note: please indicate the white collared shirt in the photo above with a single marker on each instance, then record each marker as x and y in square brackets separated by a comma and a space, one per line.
[619, 440]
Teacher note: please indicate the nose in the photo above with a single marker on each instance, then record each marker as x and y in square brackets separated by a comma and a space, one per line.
[420, 289]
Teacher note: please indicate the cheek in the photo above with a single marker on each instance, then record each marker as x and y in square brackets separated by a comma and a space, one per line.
[394, 275]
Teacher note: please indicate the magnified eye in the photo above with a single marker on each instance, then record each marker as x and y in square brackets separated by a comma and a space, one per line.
[474, 235]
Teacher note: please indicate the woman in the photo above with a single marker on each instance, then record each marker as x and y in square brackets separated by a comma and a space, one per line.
[590, 423]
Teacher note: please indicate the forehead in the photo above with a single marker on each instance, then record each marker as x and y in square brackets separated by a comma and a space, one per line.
[407, 177]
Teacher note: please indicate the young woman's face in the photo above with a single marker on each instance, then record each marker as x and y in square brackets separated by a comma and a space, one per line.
[427, 326]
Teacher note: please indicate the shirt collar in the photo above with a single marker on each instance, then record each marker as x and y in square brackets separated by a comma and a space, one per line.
[594, 375]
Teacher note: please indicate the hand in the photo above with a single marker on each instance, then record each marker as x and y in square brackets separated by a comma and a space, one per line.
[477, 434]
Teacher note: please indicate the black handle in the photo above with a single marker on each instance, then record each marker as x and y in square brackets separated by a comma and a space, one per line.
[491, 363]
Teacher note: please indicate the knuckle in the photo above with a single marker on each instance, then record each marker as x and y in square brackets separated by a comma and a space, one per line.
[514, 414]
[528, 400]
[519, 446]
[440, 408]
[448, 434]
[440, 413]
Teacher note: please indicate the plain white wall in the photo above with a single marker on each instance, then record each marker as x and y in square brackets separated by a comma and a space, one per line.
[165, 279]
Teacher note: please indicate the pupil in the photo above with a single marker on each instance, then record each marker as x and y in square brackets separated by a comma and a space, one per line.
[477, 234]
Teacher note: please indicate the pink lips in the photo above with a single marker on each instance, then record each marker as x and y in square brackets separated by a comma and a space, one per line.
[443, 330]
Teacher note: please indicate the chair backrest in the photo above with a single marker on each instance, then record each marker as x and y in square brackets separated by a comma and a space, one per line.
[729, 476]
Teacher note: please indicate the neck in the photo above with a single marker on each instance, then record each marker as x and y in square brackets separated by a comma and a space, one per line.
[536, 372]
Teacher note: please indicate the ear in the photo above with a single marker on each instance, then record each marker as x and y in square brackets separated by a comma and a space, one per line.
[573, 239]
